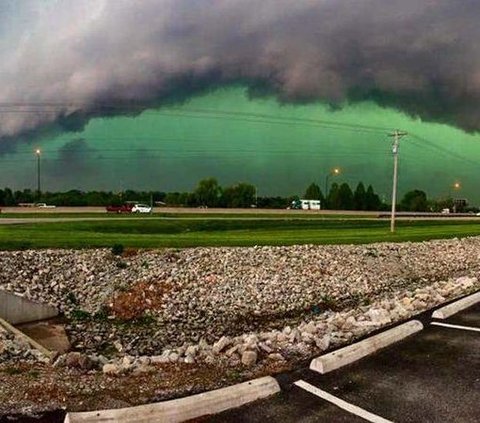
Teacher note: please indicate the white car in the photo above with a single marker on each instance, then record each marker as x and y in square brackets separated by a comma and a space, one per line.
[44, 206]
[141, 208]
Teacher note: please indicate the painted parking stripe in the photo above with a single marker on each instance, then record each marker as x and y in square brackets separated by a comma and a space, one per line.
[360, 412]
[448, 325]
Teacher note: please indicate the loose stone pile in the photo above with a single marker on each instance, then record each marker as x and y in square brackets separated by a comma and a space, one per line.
[16, 349]
[239, 305]
[329, 329]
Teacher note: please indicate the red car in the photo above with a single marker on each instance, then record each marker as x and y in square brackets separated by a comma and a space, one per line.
[125, 208]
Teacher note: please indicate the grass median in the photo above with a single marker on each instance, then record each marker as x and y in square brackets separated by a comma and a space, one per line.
[152, 233]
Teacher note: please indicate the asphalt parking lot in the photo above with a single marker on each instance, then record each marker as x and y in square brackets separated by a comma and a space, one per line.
[433, 376]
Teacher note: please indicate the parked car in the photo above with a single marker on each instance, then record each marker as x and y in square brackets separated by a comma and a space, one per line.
[124, 208]
[141, 208]
[44, 206]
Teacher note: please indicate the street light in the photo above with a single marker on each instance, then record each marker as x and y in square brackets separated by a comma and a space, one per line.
[38, 153]
[333, 172]
[456, 187]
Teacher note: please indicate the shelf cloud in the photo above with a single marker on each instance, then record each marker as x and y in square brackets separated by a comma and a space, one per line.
[64, 62]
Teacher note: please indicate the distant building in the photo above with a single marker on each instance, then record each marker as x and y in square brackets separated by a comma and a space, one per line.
[459, 205]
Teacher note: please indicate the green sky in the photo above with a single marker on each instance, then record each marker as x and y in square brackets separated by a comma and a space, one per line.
[172, 148]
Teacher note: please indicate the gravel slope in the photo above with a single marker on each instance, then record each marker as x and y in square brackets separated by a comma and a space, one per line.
[186, 295]
[244, 312]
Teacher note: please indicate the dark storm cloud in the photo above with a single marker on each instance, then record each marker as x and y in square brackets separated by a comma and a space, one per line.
[73, 158]
[65, 62]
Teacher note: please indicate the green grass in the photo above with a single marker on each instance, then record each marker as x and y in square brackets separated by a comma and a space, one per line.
[151, 233]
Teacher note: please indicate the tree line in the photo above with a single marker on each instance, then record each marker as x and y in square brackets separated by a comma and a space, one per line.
[209, 193]
[341, 197]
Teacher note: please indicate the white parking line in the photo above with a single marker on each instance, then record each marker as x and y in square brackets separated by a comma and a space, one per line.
[447, 325]
[360, 412]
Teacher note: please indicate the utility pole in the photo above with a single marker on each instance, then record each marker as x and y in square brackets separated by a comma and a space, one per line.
[396, 141]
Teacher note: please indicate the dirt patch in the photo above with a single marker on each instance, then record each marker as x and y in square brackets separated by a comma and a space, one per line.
[138, 300]
[40, 388]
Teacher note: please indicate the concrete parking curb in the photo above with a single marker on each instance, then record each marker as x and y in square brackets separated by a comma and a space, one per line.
[347, 355]
[456, 307]
[46, 352]
[184, 409]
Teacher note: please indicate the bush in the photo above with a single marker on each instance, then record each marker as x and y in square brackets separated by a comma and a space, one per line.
[79, 314]
[101, 314]
[71, 297]
[121, 264]
[117, 249]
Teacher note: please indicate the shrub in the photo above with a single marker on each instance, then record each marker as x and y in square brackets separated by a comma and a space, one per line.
[117, 249]
[71, 297]
[79, 314]
[101, 314]
[121, 264]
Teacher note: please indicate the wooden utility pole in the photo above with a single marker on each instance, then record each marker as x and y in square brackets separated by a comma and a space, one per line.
[396, 141]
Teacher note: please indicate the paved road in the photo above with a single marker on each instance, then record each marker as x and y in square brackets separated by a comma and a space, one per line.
[247, 211]
[433, 376]
[189, 210]
[60, 214]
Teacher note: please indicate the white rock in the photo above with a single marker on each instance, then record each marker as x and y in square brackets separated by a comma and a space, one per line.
[249, 358]
[159, 359]
[276, 357]
[173, 357]
[221, 344]
[110, 369]
[191, 350]
[232, 350]
[323, 343]
[189, 359]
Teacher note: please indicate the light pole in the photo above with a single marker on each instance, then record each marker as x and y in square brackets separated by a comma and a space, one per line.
[456, 187]
[38, 153]
[334, 172]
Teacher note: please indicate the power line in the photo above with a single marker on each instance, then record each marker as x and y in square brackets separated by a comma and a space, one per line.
[198, 151]
[19, 108]
[429, 144]
[188, 155]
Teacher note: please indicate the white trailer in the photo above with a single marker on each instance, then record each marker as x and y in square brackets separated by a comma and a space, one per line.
[306, 205]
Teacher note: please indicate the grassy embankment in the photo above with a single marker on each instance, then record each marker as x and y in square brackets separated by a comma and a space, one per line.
[151, 233]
